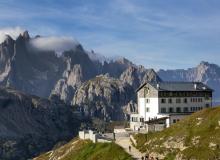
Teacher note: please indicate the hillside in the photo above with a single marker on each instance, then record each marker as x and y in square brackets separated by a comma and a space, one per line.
[86, 150]
[196, 137]
[30, 125]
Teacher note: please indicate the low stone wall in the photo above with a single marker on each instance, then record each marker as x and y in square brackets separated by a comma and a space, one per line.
[88, 135]
[156, 127]
[93, 136]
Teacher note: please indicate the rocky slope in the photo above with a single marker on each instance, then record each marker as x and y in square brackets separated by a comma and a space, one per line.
[204, 72]
[30, 125]
[195, 137]
[103, 97]
[79, 68]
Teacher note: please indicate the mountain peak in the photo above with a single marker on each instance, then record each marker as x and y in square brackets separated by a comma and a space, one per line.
[8, 39]
[204, 63]
[26, 35]
[23, 36]
[124, 61]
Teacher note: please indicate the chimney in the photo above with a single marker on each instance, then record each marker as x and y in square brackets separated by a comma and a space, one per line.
[158, 85]
[195, 86]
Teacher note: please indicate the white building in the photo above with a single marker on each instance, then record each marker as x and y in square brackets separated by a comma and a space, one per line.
[164, 103]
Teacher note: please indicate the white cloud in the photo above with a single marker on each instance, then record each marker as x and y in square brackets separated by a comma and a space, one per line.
[12, 31]
[57, 44]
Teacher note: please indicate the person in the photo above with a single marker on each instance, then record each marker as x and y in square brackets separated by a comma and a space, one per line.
[146, 157]
[142, 158]
[129, 148]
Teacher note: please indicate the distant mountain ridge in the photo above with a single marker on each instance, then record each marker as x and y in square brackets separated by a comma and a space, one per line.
[204, 72]
[43, 73]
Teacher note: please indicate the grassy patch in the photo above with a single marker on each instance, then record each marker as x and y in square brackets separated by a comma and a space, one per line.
[195, 132]
[86, 150]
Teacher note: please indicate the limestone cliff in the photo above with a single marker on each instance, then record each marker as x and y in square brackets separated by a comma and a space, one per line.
[103, 97]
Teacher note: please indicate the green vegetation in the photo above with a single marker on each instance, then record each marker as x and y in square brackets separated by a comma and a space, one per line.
[86, 150]
[196, 137]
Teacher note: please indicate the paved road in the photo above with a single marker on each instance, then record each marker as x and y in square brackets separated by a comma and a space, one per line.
[125, 142]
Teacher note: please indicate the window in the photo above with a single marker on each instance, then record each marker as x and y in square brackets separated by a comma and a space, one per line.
[171, 110]
[141, 119]
[174, 94]
[200, 99]
[207, 97]
[174, 121]
[185, 109]
[134, 119]
[170, 100]
[147, 100]
[163, 110]
[147, 109]
[185, 100]
[163, 100]
[178, 109]
[207, 105]
[170, 94]
[178, 100]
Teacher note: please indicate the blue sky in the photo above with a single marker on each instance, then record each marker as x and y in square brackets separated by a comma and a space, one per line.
[155, 33]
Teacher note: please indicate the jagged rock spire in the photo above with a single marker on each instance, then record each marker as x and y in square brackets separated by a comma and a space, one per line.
[26, 35]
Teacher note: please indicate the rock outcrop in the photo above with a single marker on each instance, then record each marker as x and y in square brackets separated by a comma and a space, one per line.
[135, 76]
[103, 97]
[25, 69]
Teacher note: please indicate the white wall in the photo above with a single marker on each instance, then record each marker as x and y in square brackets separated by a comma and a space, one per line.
[142, 107]
[88, 135]
[153, 106]
[153, 109]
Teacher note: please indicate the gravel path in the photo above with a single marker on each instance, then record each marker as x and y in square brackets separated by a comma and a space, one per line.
[125, 142]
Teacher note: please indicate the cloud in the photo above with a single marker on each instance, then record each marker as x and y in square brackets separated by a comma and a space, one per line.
[12, 31]
[57, 44]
